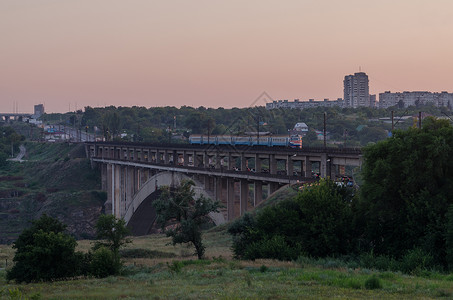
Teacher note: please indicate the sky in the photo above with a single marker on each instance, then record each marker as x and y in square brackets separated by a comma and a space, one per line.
[69, 54]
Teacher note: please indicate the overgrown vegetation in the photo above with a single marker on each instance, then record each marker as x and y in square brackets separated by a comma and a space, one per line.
[44, 252]
[9, 143]
[44, 183]
[400, 221]
[219, 276]
[189, 214]
[317, 222]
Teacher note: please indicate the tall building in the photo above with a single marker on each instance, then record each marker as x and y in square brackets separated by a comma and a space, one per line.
[39, 111]
[356, 90]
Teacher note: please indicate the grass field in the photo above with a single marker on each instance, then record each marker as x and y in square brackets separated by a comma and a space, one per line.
[174, 273]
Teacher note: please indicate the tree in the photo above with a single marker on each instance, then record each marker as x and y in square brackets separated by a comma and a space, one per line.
[407, 190]
[45, 253]
[317, 222]
[179, 205]
[113, 233]
[105, 258]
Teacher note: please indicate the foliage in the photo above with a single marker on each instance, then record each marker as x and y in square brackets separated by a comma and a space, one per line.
[407, 191]
[317, 222]
[179, 205]
[112, 235]
[8, 138]
[373, 283]
[45, 253]
[103, 263]
[449, 238]
[112, 232]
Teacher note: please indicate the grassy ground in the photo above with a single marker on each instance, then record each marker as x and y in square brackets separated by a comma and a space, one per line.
[173, 273]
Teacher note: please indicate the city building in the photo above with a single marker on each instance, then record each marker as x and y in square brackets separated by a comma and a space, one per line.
[39, 111]
[406, 99]
[356, 91]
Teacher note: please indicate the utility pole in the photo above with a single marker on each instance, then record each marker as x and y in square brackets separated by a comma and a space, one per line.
[258, 131]
[325, 132]
[209, 129]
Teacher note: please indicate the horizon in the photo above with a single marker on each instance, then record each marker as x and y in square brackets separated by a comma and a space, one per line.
[72, 54]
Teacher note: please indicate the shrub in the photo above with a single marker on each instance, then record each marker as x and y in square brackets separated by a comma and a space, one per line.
[45, 253]
[317, 222]
[449, 238]
[273, 247]
[373, 283]
[104, 263]
[415, 261]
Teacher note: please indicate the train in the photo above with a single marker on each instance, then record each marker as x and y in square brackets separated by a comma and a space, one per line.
[293, 141]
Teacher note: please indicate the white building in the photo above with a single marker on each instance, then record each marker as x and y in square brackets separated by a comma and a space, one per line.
[356, 90]
[415, 98]
[301, 127]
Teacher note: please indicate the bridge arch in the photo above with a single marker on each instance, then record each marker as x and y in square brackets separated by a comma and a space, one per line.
[140, 214]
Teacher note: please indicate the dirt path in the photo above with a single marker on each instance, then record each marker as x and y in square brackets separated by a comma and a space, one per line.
[20, 155]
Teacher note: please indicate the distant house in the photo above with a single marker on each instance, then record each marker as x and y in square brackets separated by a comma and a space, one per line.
[320, 135]
[300, 128]
[360, 127]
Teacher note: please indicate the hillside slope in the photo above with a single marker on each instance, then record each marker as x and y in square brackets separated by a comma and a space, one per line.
[55, 179]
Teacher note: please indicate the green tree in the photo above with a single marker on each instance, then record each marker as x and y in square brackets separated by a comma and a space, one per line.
[407, 190]
[180, 206]
[317, 222]
[112, 232]
[326, 214]
[449, 238]
[45, 253]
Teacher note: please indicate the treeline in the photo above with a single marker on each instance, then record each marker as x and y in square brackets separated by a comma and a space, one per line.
[171, 124]
[400, 220]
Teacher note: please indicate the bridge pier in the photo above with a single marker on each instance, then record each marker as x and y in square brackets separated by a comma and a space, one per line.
[258, 193]
[273, 187]
[230, 198]
[243, 196]
[307, 167]
[116, 190]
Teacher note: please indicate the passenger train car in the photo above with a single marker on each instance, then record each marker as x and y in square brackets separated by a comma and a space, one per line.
[294, 141]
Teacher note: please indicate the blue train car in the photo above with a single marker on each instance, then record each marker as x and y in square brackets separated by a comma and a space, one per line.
[294, 141]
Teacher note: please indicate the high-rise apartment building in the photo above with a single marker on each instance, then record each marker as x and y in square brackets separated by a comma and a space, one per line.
[356, 90]
[39, 110]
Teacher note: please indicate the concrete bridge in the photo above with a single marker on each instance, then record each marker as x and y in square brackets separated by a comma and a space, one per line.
[238, 176]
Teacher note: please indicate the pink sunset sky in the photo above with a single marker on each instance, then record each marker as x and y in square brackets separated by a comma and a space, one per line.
[68, 53]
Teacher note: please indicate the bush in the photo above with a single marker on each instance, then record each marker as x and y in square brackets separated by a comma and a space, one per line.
[449, 238]
[273, 247]
[317, 223]
[415, 261]
[104, 263]
[373, 283]
[45, 253]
